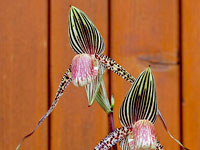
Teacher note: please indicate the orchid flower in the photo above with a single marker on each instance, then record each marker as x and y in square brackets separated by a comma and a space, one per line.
[89, 63]
[137, 115]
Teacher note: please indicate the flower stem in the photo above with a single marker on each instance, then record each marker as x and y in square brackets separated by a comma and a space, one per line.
[111, 126]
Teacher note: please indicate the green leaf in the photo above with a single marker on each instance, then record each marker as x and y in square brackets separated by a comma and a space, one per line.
[112, 102]
[102, 98]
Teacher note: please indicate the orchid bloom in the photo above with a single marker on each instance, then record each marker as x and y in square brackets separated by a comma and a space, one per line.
[89, 63]
[137, 115]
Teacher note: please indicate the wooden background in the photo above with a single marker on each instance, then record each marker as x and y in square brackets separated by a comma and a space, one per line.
[35, 53]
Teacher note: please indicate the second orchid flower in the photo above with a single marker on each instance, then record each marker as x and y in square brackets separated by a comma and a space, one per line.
[137, 115]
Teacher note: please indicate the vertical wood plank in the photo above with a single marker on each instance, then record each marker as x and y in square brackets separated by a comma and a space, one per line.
[74, 125]
[23, 79]
[191, 73]
[146, 33]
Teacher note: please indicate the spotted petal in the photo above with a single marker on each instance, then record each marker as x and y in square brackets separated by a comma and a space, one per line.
[111, 64]
[140, 102]
[63, 84]
[83, 35]
[116, 136]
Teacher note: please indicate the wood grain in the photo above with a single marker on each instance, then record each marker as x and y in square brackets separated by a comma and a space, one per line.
[74, 125]
[146, 33]
[191, 73]
[23, 75]
[142, 33]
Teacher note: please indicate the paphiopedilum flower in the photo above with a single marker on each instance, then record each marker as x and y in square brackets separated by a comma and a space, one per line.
[89, 63]
[137, 116]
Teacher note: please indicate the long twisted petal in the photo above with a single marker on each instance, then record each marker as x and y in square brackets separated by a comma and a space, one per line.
[114, 137]
[111, 64]
[140, 102]
[165, 126]
[83, 35]
[63, 84]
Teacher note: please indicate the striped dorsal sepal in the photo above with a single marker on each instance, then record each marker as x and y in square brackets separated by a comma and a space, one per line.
[116, 136]
[63, 84]
[83, 35]
[140, 102]
[111, 64]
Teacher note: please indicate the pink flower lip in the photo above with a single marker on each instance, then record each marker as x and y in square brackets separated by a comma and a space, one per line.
[84, 69]
[143, 136]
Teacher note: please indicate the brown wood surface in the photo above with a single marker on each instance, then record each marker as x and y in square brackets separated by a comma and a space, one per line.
[146, 33]
[73, 124]
[142, 33]
[23, 75]
[191, 73]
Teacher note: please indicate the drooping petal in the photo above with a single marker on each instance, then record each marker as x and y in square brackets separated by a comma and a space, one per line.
[83, 35]
[111, 64]
[165, 126]
[114, 137]
[140, 102]
[63, 84]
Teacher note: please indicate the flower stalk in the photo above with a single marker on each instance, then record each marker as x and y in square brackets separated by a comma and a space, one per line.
[111, 126]
[107, 105]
